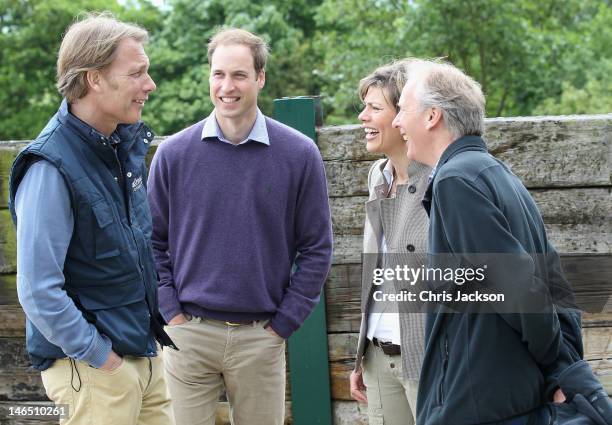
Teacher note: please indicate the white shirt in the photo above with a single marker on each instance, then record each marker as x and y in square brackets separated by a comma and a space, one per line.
[385, 326]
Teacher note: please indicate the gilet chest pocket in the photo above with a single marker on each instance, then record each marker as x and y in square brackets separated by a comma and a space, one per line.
[105, 233]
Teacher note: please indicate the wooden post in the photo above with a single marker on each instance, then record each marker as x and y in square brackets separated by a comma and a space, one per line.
[308, 358]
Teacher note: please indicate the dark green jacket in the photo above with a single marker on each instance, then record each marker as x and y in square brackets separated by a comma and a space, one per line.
[484, 368]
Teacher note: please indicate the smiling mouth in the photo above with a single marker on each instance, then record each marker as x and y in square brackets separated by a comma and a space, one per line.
[140, 101]
[225, 99]
[370, 132]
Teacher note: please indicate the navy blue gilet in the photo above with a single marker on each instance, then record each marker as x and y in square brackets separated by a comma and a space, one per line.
[109, 269]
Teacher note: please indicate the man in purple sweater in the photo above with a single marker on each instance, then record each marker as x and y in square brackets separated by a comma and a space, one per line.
[242, 240]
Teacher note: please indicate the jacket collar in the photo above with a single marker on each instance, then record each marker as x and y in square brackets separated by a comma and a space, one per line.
[416, 171]
[462, 144]
[125, 135]
[465, 143]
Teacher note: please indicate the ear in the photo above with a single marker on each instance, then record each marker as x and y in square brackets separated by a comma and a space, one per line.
[433, 117]
[93, 79]
[261, 79]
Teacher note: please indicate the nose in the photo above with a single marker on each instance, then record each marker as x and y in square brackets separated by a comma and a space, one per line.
[364, 115]
[150, 84]
[227, 85]
[396, 121]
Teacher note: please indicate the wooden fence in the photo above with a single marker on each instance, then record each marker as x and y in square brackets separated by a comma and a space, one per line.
[564, 161]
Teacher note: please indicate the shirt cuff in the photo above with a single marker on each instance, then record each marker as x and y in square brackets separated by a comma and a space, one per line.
[98, 351]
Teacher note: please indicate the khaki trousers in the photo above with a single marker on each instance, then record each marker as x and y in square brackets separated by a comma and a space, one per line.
[248, 360]
[391, 399]
[133, 394]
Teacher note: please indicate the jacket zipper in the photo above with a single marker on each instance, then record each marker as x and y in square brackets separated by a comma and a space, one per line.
[123, 189]
[444, 366]
[126, 201]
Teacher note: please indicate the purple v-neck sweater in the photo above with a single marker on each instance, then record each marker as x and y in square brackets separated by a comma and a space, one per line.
[228, 222]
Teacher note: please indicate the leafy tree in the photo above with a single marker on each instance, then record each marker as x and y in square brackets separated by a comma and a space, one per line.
[180, 64]
[530, 56]
[30, 35]
[354, 37]
[584, 83]
[520, 51]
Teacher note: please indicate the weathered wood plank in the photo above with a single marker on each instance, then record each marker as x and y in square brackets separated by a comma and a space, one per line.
[342, 297]
[567, 239]
[597, 320]
[12, 321]
[554, 151]
[584, 206]
[542, 151]
[8, 289]
[343, 289]
[347, 178]
[18, 382]
[350, 178]
[589, 276]
[342, 351]
[8, 243]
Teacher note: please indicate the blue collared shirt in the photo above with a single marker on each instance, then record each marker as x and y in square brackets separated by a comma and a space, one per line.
[45, 228]
[46, 223]
[259, 132]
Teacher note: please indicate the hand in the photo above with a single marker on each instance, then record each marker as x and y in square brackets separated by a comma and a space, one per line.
[272, 331]
[179, 319]
[558, 397]
[358, 388]
[113, 361]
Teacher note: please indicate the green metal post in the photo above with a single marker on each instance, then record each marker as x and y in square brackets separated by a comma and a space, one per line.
[308, 358]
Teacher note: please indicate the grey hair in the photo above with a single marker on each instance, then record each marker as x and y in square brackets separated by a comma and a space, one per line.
[442, 85]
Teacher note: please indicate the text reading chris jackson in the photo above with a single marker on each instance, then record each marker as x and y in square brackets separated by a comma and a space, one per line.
[412, 275]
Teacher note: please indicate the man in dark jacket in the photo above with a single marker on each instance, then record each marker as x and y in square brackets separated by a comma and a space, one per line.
[85, 270]
[483, 368]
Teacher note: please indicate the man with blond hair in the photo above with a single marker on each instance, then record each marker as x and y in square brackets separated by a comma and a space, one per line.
[499, 365]
[242, 238]
[85, 270]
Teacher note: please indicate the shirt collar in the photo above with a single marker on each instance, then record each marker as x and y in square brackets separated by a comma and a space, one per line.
[85, 130]
[415, 171]
[259, 132]
[388, 173]
[462, 144]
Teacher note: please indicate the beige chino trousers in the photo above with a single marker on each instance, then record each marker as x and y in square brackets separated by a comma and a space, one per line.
[133, 394]
[248, 360]
[391, 398]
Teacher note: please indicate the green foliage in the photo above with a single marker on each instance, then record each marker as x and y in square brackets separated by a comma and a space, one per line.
[180, 64]
[531, 57]
[30, 35]
[520, 51]
[584, 83]
[593, 97]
